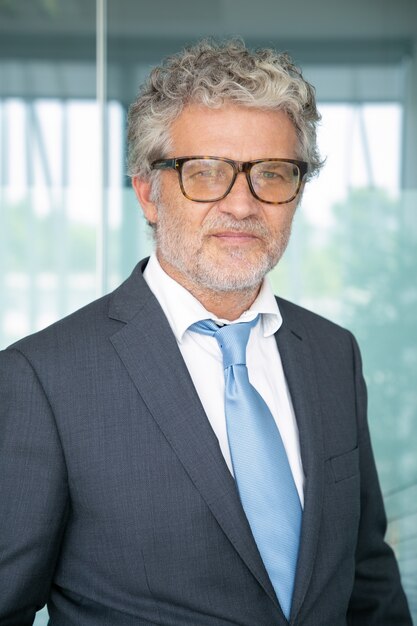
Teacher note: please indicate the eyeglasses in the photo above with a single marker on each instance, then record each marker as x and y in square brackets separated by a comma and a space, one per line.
[207, 179]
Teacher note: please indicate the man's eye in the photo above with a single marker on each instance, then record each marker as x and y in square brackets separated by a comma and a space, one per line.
[207, 174]
[267, 174]
[270, 176]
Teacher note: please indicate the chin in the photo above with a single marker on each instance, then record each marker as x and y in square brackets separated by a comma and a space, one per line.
[235, 278]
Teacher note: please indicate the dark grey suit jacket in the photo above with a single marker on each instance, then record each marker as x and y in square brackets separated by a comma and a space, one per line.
[117, 507]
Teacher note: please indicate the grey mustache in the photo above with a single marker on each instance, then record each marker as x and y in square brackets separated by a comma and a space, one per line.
[248, 225]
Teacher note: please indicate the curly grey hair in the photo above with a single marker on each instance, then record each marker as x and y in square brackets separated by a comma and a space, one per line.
[212, 74]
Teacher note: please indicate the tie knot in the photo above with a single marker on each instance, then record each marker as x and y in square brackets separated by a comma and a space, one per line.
[232, 339]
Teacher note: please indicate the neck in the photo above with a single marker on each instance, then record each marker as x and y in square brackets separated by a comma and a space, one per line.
[228, 305]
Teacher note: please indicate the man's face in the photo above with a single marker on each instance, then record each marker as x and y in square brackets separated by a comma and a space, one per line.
[230, 244]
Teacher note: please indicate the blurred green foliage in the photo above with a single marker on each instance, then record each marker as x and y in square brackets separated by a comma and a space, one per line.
[376, 255]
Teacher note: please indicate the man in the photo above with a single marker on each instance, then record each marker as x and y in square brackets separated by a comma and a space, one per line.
[189, 449]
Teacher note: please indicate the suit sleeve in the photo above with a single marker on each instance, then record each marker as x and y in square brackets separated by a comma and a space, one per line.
[377, 598]
[33, 491]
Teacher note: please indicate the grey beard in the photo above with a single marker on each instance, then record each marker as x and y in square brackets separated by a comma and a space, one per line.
[217, 278]
[172, 246]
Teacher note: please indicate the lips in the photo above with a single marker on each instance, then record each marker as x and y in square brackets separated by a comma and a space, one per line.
[237, 235]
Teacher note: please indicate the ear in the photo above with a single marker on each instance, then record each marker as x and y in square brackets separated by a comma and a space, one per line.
[142, 189]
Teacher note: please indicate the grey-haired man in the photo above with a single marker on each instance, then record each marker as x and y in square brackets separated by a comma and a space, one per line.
[190, 449]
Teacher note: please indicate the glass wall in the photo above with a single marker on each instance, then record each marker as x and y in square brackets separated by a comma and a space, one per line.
[71, 229]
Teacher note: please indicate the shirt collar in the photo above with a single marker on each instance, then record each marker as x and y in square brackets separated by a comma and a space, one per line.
[182, 309]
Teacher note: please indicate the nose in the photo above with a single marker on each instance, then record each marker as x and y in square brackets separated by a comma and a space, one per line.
[239, 202]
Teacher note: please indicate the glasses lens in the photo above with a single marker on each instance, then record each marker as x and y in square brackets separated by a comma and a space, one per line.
[275, 181]
[206, 179]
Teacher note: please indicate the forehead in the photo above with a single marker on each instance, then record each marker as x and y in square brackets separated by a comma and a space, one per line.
[237, 132]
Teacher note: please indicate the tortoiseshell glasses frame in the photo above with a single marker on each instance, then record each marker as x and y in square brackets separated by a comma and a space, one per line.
[177, 164]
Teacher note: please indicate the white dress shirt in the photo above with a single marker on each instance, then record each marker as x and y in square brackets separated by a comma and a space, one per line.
[204, 361]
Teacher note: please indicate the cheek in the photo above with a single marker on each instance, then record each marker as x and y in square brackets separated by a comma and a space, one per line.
[180, 213]
[281, 220]
[179, 223]
[190, 219]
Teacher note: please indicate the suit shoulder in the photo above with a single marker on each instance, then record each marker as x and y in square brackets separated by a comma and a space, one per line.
[81, 326]
[330, 342]
[86, 330]
[295, 314]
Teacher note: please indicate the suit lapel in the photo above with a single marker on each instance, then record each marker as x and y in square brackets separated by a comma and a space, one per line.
[148, 349]
[298, 364]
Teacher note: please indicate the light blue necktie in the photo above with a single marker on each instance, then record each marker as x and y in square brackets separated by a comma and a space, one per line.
[262, 472]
